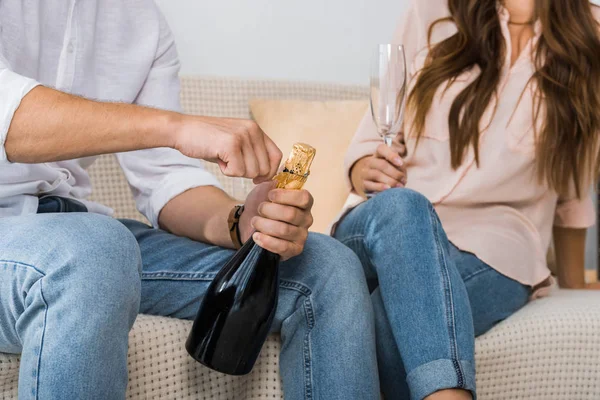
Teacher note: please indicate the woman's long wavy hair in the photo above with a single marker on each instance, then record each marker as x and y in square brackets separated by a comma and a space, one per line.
[567, 76]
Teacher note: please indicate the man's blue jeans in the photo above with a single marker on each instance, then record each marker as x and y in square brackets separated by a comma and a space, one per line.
[430, 299]
[72, 284]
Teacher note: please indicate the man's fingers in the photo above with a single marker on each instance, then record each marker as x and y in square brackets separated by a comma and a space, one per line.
[274, 155]
[257, 138]
[263, 161]
[232, 163]
[296, 198]
[277, 229]
[287, 214]
[284, 248]
[250, 159]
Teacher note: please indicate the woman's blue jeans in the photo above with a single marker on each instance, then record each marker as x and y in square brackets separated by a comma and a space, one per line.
[430, 298]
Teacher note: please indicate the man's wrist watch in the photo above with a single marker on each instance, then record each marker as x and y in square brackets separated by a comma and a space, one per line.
[234, 225]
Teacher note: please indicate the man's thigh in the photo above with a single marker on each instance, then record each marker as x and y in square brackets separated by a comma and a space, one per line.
[176, 271]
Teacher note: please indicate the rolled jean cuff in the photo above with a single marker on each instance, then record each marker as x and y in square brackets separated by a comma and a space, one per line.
[441, 374]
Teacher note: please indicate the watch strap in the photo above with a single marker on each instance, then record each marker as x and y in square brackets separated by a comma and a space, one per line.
[234, 225]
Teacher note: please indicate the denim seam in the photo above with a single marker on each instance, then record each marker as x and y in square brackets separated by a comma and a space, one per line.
[21, 264]
[6, 263]
[295, 286]
[470, 386]
[348, 239]
[12, 263]
[308, 381]
[39, 363]
[310, 321]
[449, 299]
[474, 274]
[164, 275]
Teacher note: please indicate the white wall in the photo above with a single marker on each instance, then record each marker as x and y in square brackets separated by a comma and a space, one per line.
[312, 40]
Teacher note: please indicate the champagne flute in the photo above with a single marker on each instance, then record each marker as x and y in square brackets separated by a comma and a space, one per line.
[388, 90]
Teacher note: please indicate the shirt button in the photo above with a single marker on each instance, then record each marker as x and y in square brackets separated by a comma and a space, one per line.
[70, 48]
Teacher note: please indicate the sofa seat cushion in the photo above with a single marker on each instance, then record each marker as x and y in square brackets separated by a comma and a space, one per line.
[160, 368]
[550, 350]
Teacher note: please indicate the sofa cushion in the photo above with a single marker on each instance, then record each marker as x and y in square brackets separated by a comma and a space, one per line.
[329, 127]
[550, 350]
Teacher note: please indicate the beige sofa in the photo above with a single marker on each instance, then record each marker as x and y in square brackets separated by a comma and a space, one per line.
[549, 350]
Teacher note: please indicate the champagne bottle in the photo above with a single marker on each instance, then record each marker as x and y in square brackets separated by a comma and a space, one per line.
[237, 311]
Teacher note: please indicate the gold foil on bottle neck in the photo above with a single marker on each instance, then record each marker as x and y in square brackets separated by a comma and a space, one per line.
[296, 168]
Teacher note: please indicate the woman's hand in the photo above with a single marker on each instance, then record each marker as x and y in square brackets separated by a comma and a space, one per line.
[280, 217]
[383, 170]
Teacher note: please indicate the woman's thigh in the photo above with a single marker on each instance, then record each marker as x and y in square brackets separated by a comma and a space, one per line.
[391, 217]
[493, 296]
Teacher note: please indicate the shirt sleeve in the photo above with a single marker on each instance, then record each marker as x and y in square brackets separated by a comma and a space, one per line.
[574, 212]
[411, 32]
[13, 87]
[158, 175]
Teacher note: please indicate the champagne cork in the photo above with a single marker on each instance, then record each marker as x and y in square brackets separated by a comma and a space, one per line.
[296, 168]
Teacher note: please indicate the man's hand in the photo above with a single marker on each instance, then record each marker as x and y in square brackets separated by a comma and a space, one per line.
[281, 219]
[239, 146]
[383, 170]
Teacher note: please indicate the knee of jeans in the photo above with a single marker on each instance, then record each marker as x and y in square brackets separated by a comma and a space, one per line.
[102, 261]
[339, 272]
[400, 204]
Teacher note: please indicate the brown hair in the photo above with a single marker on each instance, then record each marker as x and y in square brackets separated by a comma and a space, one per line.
[567, 62]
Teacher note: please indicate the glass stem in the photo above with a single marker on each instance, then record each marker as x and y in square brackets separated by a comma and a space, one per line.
[388, 140]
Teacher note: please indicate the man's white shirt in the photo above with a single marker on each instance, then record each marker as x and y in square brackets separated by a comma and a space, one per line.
[107, 50]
